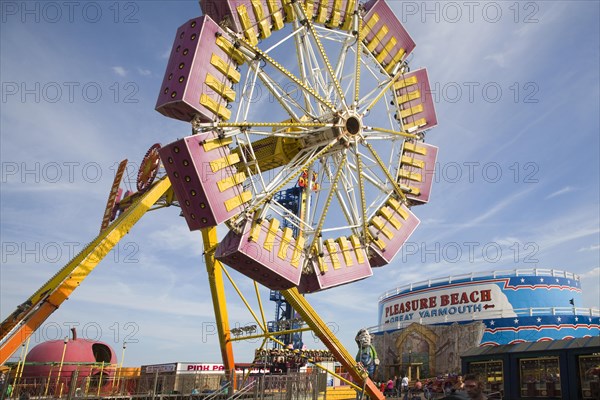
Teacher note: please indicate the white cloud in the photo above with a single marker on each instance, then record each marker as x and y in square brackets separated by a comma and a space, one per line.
[475, 221]
[551, 238]
[119, 71]
[594, 273]
[498, 58]
[595, 247]
[562, 191]
[589, 248]
[166, 54]
[178, 237]
[590, 284]
[508, 241]
[144, 72]
[147, 298]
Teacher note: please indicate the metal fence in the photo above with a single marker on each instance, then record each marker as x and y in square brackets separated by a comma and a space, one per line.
[169, 386]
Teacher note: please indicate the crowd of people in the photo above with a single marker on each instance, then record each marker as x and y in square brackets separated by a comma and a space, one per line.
[287, 358]
[467, 388]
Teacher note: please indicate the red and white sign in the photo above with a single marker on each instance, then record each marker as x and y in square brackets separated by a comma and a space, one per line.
[459, 303]
[209, 368]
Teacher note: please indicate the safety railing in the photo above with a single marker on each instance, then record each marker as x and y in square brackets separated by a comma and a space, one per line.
[494, 314]
[72, 385]
[479, 275]
[244, 391]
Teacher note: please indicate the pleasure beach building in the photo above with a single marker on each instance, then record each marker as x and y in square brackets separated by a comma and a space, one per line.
[425, 327]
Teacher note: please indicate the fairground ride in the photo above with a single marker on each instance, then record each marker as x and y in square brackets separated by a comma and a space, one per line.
[315, 94]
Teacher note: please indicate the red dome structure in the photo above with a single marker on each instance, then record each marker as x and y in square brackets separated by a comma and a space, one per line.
[89, 357]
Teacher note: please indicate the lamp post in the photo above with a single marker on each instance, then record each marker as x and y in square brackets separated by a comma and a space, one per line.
[410, 363]
[20, 366]
[62, 360]
[121, 365]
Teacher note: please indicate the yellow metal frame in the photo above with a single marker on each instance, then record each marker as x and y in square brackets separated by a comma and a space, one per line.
[29, 316]
[266, 335]
[217, 291]
[319, 327]
[20, 325]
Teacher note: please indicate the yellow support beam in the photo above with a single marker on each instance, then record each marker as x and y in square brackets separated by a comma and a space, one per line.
[29, 316]
[358, 62]
[273, 124]
[217, 291]
[314, 321]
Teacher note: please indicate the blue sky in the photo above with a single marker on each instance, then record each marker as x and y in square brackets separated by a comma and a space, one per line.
[517, 186]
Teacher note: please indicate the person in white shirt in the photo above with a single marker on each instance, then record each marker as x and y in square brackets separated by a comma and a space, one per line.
[405, 386]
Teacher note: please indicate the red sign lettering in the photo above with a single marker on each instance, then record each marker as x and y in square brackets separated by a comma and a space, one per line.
[475, 296]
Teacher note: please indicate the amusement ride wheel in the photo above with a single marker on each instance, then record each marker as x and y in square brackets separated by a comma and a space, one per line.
[308, 143]
[308, 137]
[148, 168]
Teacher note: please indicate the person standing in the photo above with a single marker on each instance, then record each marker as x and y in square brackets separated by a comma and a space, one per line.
[419, 385]
[405, 386]
[389, 388]
[473, 387]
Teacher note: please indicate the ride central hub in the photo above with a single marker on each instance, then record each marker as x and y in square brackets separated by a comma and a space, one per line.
[347, 128]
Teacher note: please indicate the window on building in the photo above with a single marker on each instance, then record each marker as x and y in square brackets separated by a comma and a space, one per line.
[540, 377]
[589, 376]
[490, 372]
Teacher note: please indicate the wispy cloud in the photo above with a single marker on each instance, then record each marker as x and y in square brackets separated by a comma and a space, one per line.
[498, 58]
[489, 213]
[593, 273]
[144, 71]
[595, 247]
[562, 191]
[555, 237]
[499, 206]
[141, 299]
[165, 55]
[119, 70]
[177, 237]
